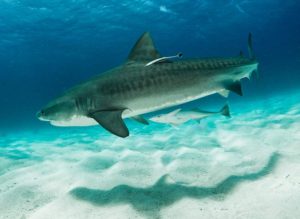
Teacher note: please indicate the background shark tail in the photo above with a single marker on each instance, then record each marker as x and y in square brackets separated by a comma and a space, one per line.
[225, 111]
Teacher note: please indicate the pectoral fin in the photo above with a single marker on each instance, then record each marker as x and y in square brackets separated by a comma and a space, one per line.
[140, 119]
[112, 121]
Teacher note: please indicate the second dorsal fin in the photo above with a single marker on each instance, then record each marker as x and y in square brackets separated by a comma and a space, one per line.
[144, 50]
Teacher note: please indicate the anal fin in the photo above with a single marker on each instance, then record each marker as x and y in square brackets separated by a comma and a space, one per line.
[112, 121]
[235, 87]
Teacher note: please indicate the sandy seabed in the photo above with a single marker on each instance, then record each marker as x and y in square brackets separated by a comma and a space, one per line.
[244, 167]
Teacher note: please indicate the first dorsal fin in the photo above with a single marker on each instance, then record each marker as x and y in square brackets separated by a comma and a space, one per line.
[144, 50]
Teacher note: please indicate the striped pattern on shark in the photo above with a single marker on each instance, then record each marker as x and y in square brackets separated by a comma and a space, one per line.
[133, 88]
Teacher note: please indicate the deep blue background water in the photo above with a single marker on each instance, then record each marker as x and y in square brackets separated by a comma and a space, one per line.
[48, 46]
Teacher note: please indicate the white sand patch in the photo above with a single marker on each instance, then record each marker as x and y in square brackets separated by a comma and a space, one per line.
[275, 196]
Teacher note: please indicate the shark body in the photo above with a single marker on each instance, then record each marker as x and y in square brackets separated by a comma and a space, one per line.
[137, 87]
[178, 116]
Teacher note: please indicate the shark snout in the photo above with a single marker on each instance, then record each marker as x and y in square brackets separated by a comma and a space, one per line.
[40, 115]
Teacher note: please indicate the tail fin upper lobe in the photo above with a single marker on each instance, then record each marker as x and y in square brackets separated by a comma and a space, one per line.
[250, 47]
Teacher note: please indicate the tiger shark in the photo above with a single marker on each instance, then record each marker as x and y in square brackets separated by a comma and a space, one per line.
[146, 82]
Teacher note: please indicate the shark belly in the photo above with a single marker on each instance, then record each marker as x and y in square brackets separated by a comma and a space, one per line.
[75, 121]
[135, 107]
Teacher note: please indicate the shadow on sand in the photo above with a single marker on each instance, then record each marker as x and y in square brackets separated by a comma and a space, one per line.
[148, 201]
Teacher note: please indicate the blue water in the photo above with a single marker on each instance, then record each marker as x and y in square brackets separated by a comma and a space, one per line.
[193, 171]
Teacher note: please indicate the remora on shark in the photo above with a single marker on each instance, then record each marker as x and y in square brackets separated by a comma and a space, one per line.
[146, 82]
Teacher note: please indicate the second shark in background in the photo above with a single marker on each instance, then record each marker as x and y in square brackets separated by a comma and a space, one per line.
[179, 116]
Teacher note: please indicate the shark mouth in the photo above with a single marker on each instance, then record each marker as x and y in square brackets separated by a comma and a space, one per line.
[75, 121]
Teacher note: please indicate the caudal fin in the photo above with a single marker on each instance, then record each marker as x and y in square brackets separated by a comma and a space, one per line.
[250, 47]
[225, 111]
[251, 55]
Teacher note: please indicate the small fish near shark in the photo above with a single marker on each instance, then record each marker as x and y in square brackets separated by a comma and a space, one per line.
[144, 83]
[179, 116]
